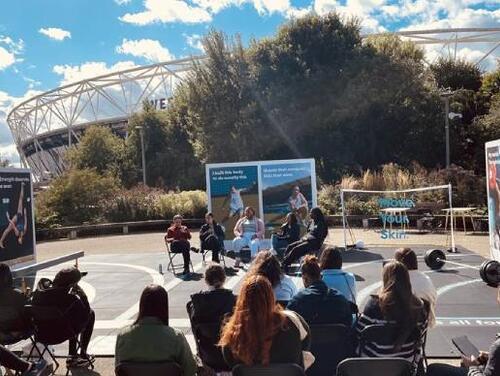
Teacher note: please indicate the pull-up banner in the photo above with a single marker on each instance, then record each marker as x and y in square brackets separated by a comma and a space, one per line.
[272, 188]
[17, 225]
[493, 189]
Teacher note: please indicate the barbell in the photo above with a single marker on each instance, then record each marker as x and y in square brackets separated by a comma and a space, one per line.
[489, 271]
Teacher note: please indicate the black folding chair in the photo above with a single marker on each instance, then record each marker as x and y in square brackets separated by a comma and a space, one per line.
[386, 335]
[278, 369]
[148, 369]
[207, 336]
[204, 253]
[51, 327]
[171, 255]
[375, 366]
[330, 344]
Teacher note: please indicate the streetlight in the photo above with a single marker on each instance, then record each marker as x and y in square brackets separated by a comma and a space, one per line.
[445, 95]
[143, 153]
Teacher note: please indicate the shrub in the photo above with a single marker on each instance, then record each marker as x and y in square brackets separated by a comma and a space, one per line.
[190, 204]
[136, 204]
[75, 197]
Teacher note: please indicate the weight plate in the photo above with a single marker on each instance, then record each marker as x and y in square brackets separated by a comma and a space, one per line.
[435, 259]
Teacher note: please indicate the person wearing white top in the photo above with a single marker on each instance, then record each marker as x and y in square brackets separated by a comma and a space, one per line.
[267, 265]
[421, 284]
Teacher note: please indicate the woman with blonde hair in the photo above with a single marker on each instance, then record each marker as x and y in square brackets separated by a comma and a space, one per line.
[260, 332]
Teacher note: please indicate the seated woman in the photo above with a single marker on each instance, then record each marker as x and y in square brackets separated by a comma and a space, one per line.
[334, 276]
[260, 332]
[13, 322]
[396, 305]
[212, 237]
[267, 265]
[288, 233]
[487, 364]
[248, 232]
[212, 305]
[178, 237]
[150, 339]
[317, 303]
[317, 231]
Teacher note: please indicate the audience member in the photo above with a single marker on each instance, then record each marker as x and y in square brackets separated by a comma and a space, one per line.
[65, 294]
[150, 339]
[333, 275]
[11, 361]
[13, 323]
[267, 264]
[316, 302]
[212, 237]
[421, 284]
[288, 233]
[260, 332]
[394, 305]
[487, 364]
[248, 232]
[317, 231]
[178, 237]
[212, 305]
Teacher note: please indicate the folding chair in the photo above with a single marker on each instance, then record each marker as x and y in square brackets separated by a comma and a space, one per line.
[374, 366]
[51, 327]
[171, 255]
[207, 336]
[204, 253]
[278, 369]
[330, 344]
[386, 335]
[148, 368]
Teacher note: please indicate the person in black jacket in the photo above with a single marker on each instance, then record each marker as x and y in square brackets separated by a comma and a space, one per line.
[212, 305]
[212, 237]
[64, 294]
[317, 303]
[13, 321]
[317, 231]
[288, 233]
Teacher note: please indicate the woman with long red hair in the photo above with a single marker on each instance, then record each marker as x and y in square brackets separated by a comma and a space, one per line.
[260, 332]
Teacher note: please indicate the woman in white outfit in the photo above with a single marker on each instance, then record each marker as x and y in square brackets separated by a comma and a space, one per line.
[248, 232]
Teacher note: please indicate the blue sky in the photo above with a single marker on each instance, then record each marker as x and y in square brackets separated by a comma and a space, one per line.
[46, 43]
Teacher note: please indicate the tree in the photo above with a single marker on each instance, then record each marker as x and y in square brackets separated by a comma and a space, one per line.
[456, 74]
[4, 162]
[101, 150]
[170, 160]
[77, 196]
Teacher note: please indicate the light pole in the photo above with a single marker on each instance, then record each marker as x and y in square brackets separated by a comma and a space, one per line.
[143, 154]
[445, 95]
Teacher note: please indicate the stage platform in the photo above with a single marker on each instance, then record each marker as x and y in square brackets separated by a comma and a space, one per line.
[114, 283]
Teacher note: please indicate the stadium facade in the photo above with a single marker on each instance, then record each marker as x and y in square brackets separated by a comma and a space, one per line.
[45, 126]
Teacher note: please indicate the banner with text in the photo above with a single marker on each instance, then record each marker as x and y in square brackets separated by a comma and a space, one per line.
[17, 235]
[493, 189]
[272, 188]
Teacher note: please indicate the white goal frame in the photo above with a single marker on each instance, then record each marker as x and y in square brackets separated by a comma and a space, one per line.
[421, 189]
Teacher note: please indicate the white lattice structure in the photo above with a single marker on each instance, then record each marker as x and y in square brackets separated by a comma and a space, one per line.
[44, 126]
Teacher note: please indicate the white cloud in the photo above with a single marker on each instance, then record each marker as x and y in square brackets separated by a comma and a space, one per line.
[74, 73]
[55, 33]
[149, 49]
[6, 58]
[167, 11]
[9, 51]
[194, 41]
[123, 2]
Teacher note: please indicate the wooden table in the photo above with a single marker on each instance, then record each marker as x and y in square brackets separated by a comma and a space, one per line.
[459, 212]
[395, 211]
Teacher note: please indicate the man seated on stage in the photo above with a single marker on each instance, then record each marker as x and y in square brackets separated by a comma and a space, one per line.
[13, 321]
[178, 237]
[212, 237]
[67, 296]
[421, 284]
